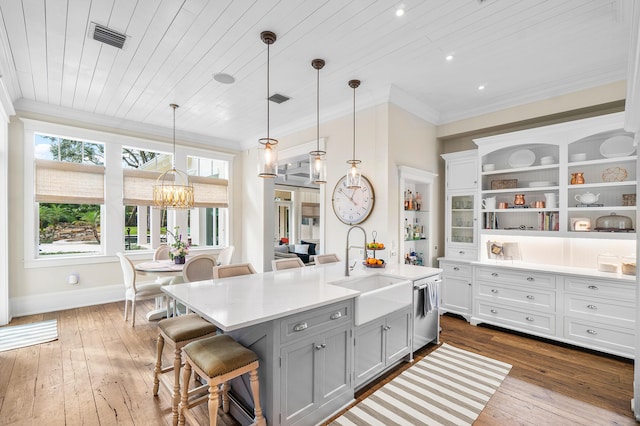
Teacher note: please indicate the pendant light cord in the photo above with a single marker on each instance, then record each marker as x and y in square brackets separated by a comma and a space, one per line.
[268, 140]
[318, 112]
[354, 124]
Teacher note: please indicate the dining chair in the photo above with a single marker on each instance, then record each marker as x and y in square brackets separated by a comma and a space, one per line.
[161, 253]
[326, 258]
[288, 263]
[233, 270]
[224, 257]
[198, 268]
[135, 292]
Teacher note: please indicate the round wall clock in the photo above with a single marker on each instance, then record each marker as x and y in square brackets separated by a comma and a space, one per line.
[353, 206]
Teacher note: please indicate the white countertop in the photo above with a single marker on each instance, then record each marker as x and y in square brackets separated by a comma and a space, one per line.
[238, 302]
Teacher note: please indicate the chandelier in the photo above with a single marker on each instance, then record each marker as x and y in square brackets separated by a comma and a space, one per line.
[173, 188]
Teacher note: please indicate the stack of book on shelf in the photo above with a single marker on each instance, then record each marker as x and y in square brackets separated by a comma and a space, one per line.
[548, 221]
[490, 220]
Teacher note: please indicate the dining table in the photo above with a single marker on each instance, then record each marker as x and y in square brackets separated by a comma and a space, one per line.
[164, 268]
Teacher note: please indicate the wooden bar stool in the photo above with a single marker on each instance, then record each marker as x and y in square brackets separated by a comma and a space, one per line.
[218, 359]
[177, 332]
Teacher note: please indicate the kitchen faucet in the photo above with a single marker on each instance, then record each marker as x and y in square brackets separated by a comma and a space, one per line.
[346, 262]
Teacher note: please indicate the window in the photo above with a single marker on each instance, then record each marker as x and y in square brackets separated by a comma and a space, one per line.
[69, 191]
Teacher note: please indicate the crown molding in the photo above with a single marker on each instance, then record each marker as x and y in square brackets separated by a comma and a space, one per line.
[89, 118]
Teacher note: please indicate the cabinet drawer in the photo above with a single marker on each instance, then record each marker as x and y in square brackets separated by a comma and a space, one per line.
[457, 270]
[609, 338]
[515, 296]
[461, 253]
[600, 309]
[503, 275]
[320, 319]
[599, 287]
[512, 318]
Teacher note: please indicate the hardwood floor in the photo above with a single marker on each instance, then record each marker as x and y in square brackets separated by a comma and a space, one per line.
[99, 372]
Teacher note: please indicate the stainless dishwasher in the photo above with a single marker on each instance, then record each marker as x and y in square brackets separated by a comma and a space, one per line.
[426, 319]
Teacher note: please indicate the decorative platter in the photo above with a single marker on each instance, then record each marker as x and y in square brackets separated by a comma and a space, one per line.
[522, 158]
[541, 183]
[617, 146]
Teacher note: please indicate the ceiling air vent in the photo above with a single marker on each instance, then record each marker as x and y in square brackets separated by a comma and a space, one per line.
[108, 36]
[277, 98]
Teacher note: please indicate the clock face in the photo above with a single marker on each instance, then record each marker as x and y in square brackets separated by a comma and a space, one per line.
[353, 206]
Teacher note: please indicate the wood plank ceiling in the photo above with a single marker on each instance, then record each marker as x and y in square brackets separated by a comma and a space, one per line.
[520, 50]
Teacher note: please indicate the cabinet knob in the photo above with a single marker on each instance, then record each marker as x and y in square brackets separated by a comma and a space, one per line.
[493, 311]
[593, 287]
[530, 279]
[387, 327]
[494, 291]
[529, 318]
[461, 252]
[336, 315]
[590, 331]
[530, 297]
[594, 307]
[300, 327]
[494, 274]
[455, 268]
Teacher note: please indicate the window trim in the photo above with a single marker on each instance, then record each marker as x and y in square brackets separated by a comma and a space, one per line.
[114, 217]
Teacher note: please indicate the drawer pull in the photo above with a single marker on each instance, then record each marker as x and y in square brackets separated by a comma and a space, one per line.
[530, 297]
[530, 279]
[494, 274]
[493, 311]
[461, 253]
[300, 327]
[322, 346]
[455, 268]
[590, 331]
[529, 318]
[494, 291]
[593, 287]
[594, 307]
[336, 315]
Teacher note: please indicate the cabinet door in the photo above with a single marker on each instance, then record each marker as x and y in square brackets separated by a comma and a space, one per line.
[462, 174]
[370, 355]
[461, 220]
[297, 375]
[456, 295]
[397, 336]
[334, 364]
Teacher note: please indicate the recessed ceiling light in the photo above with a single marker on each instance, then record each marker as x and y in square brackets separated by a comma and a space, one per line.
[481, 87]
[224, 78]
[449, 57]
[400, 12]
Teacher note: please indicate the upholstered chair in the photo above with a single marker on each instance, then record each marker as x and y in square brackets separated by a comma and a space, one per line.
[233, 270]
[280, 264]
[135, 292]
[326, 258]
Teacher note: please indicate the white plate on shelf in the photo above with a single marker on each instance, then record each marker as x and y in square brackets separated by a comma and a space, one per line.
[541, 183]
[617, 146]
[522, 158]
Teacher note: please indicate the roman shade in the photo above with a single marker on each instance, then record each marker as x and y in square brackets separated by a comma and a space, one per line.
[68, 183]
[138, 189]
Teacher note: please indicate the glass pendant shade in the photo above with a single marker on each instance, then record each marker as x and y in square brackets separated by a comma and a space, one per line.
[173, 188]
[268, 158]
[318, 167]
[267, 153]
[354, 174]
[318, 158]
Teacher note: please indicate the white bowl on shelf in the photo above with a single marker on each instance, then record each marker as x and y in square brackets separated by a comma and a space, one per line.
[580, 156]
[488, 167]
[545, 161]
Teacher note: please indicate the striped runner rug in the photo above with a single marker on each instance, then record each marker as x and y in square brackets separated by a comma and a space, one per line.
[450, 386]
[19, 336]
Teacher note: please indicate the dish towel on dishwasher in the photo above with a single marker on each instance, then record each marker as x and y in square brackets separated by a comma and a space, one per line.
[429, 297]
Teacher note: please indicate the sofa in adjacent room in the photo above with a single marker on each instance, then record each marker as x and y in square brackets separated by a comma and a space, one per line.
[306, 251]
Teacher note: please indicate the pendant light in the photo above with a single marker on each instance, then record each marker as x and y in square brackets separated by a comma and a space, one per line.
[267, 154]
[318, 158]
[173, 188]
[354, 174]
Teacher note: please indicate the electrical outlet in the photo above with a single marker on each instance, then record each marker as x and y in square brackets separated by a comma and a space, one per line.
[435, 248]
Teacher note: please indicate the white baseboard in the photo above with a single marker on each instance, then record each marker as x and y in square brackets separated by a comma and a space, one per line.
[50, 302]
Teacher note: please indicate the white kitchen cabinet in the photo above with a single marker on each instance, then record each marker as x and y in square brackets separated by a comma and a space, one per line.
[380, 344]
[560, 162]
[455, 290]
[461, 170]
